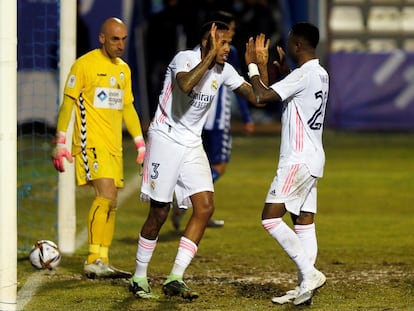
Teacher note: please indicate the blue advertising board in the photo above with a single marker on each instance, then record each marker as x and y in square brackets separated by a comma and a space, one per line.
[371, 91]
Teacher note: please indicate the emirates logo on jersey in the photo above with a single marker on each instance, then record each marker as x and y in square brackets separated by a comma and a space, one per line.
[200, 100]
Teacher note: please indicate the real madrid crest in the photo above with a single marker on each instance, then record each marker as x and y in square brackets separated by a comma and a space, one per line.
[214, 85]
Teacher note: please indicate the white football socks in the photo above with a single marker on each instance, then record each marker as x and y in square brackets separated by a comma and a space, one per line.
[307, 237]
[290, 243]
[144, 253]
[186, 252]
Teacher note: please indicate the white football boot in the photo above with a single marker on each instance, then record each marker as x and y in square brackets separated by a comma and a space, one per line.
[289, 296]
[99, 270]
[310, 283]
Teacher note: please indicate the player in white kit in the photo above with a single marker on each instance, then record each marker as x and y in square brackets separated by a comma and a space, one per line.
[175, 159]
[303, 93]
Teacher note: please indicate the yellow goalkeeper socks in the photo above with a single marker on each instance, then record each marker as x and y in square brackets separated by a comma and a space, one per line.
[97, 219]
[93, 253]
[108, 232]
[103, 253]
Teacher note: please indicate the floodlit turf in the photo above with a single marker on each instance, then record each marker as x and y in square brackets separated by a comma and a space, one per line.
[364, 225]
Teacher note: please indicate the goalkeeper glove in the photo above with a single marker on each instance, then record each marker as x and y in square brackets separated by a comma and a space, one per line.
[140, 144]
[60, 151]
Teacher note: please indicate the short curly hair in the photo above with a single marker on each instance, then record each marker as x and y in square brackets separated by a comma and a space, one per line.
[307, 31]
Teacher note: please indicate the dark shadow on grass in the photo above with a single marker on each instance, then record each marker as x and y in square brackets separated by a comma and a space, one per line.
[128, 241]
[161, 304]
[264, 291]
[172, 235]
[257, 291]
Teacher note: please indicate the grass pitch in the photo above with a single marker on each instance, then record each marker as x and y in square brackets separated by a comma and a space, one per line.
[364, 226]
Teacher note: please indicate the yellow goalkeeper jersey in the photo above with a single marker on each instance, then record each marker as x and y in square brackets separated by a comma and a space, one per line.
[102, 90]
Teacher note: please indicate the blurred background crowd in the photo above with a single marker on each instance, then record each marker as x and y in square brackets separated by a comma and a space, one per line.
[160, 28]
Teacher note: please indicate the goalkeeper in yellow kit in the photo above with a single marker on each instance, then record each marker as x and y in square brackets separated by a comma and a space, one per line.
[99, 88]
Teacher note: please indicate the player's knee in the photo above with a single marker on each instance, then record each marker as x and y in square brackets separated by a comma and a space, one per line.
[159, 212]
[204, 209]
[305, 218]
[108, 203]
[209, 210]
[273, 210]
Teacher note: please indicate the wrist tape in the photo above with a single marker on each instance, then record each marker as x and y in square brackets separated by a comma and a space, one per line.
[253, 70]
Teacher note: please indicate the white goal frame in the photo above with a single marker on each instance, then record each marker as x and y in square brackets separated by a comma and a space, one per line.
[8, 155]
[66, 184]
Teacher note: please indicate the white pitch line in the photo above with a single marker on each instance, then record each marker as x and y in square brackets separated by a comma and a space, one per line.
[35, 280]
[31, 286]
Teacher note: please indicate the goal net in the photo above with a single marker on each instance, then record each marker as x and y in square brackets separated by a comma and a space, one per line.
[37, 104]
[46, 49]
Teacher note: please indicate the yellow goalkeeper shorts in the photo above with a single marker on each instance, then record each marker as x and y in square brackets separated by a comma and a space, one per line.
[98, 163]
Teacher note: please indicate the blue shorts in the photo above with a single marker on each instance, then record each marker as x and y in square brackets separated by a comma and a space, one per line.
[217, 144]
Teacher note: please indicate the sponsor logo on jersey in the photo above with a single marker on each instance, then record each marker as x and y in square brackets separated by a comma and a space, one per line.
[102, 96]
[108, 98]
[200, 100]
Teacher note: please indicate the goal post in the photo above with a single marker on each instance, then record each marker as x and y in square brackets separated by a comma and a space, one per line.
[8, 156]
[66, 181]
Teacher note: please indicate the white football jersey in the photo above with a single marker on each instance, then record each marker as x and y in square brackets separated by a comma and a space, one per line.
[304, 93]
[181, 116]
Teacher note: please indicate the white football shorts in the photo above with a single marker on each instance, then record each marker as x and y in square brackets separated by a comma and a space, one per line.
[295, 187]
[170, 167]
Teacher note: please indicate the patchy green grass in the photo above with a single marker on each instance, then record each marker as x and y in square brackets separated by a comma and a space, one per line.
[364, 225]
